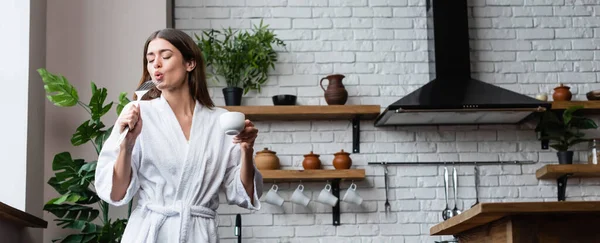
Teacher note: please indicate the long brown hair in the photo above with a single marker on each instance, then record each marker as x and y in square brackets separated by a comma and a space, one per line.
[189, 50]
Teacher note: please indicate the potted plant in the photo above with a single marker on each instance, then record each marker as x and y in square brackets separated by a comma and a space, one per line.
[74, 178]
[564, 131]
[243, 59]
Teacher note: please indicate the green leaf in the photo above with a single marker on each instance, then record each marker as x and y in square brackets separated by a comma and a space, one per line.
[72, 212]
[568, 114]
[123, 100]
[101, 138]
[112, 232]
[583, 123]
[96, 105]
[58, 89]
[86, 132]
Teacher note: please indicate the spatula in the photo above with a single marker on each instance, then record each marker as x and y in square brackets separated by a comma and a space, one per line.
[140, 92]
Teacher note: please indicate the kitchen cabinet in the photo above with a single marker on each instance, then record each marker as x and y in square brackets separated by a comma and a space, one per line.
[13, 222]
[520, 222]
[355, 113]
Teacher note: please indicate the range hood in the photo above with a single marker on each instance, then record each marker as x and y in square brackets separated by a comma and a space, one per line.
[452, 96]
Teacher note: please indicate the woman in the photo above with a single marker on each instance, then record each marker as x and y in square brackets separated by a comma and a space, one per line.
[175, 156]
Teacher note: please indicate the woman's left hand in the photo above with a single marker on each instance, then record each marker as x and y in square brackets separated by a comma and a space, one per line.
[246, 137]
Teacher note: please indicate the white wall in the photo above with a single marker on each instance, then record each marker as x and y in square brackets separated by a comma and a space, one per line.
[24, 22]
[99, 41]
[14, 74]
[380, 45]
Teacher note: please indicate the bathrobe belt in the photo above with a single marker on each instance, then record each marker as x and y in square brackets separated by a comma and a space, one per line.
[178, 208]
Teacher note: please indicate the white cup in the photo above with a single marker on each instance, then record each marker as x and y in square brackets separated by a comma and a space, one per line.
[232, 122]
[352, 196]
[326, 197]
[273, 197]
[298, 196]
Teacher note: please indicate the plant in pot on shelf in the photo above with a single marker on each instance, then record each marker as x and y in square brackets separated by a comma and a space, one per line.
[242, 58]
[74, 178]
[564, 131]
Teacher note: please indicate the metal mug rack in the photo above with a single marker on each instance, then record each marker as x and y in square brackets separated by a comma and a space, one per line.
[512, 162]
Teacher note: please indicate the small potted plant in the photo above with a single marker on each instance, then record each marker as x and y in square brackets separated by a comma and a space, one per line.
[243, 59]
[564, 131]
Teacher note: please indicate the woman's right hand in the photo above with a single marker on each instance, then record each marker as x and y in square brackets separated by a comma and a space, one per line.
[131, 118]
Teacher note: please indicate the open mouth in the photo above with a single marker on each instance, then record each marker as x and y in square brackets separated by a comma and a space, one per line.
[158, 76]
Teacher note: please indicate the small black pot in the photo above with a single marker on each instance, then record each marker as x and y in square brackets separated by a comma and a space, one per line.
[233, 96]
[565, 157]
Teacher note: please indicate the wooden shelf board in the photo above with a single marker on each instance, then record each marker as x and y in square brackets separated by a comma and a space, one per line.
[312, 175]
[588, 106]
[20, 218]
[307, 112]
[577, 170]
[485, 213]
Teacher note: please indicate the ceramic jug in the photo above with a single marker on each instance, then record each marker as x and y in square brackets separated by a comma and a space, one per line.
[336, 93]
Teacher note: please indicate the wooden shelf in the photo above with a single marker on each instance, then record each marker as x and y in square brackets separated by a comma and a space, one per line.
[590, 107]
[19, 218]
[307, 112]
[574, 170]
[313, 112]
[334, 176]
[312, 175]
[562, 173]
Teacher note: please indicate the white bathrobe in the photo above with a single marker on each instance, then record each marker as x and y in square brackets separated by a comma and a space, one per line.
[178, 182]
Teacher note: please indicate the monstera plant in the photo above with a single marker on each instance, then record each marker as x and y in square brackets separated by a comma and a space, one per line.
[74, 177]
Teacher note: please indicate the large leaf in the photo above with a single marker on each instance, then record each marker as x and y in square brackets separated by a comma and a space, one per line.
[96, 105]
[72, 212]
[58, 89]
[123, 100]
[101, 138]
[583, 123]
[71, 181]
[86, 132]
[568, 114]
[112, 232]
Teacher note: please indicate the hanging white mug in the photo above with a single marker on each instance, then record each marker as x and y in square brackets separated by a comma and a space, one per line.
[352, 196]
[298, 196]
[326, 197]
[273, 197]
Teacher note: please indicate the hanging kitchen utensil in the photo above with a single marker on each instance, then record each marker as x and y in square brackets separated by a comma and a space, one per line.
[455, 211]
[388, 208]
[447, 213]
[476, 169]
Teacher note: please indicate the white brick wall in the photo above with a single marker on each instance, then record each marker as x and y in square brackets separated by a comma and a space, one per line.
[524, 45]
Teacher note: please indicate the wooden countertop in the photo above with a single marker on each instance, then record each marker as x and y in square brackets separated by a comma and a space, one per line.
[484, 213]
[20, 218]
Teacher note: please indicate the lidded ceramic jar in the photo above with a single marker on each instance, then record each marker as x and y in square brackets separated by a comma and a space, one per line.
[562, 93]
[342, 160]
[266, 160]
[311, 161]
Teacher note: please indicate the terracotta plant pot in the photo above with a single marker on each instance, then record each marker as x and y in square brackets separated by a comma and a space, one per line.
[342, 160]
[562, 93]
[311, 161]
[266, 160]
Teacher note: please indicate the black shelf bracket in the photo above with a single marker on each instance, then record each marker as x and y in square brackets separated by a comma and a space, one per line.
[356, 134]
[561, 182]
[335, 190]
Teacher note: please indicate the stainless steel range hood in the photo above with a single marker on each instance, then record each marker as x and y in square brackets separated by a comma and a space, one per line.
[452, 96]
